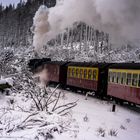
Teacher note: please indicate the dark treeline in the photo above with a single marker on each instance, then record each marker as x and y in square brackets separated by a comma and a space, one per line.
[15, 22]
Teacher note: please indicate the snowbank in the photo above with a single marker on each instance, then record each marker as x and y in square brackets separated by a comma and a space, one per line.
[6, 80]
[90, 119]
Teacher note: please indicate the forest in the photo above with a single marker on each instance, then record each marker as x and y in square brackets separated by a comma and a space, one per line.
[15, 22]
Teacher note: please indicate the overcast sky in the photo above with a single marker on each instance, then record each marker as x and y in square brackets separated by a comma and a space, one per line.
[7, 2]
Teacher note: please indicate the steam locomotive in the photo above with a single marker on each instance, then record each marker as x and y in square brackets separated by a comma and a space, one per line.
[120, 81]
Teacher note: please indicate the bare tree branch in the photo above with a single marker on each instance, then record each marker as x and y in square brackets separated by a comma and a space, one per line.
[66, 105]
[56, 101]
[67, 108]
[52, 94]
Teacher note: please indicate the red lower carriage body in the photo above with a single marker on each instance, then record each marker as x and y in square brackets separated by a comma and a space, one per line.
[53, 76]
[82, 83]
[130, 94]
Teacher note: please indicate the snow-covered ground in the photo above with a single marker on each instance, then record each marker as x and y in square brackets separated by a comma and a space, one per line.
[90, 119]
[125, 122]
[6, 80]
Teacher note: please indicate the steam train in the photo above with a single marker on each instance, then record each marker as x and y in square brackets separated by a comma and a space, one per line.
[120, 81]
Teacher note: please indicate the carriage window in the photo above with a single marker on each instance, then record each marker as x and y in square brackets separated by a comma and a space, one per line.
[81, 73]
[123, 78]
[114, 77]
[85, 73]
[69, 72]
[73, 71]
[139, 81]
[77, 72]
[94, 74]
[90, 74]
[135, 80]
[118, 78]
[110, 77]
[128, 80]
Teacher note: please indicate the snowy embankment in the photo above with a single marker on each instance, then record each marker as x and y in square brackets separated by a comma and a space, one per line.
[101, 121]
[6, 80]
[90, 119]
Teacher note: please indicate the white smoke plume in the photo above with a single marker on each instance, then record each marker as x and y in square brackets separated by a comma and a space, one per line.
[40, 27]
[120, 18]
[43, 76]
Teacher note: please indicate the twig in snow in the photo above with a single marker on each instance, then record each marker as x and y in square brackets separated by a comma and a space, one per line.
[52, 94]
[66, 105]
[56, 101]
[33, 114]
[23, 109]
[10, 137]
[67, 108]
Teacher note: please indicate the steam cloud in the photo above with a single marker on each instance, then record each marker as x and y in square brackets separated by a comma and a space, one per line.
[120, 18]
[41, 27]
